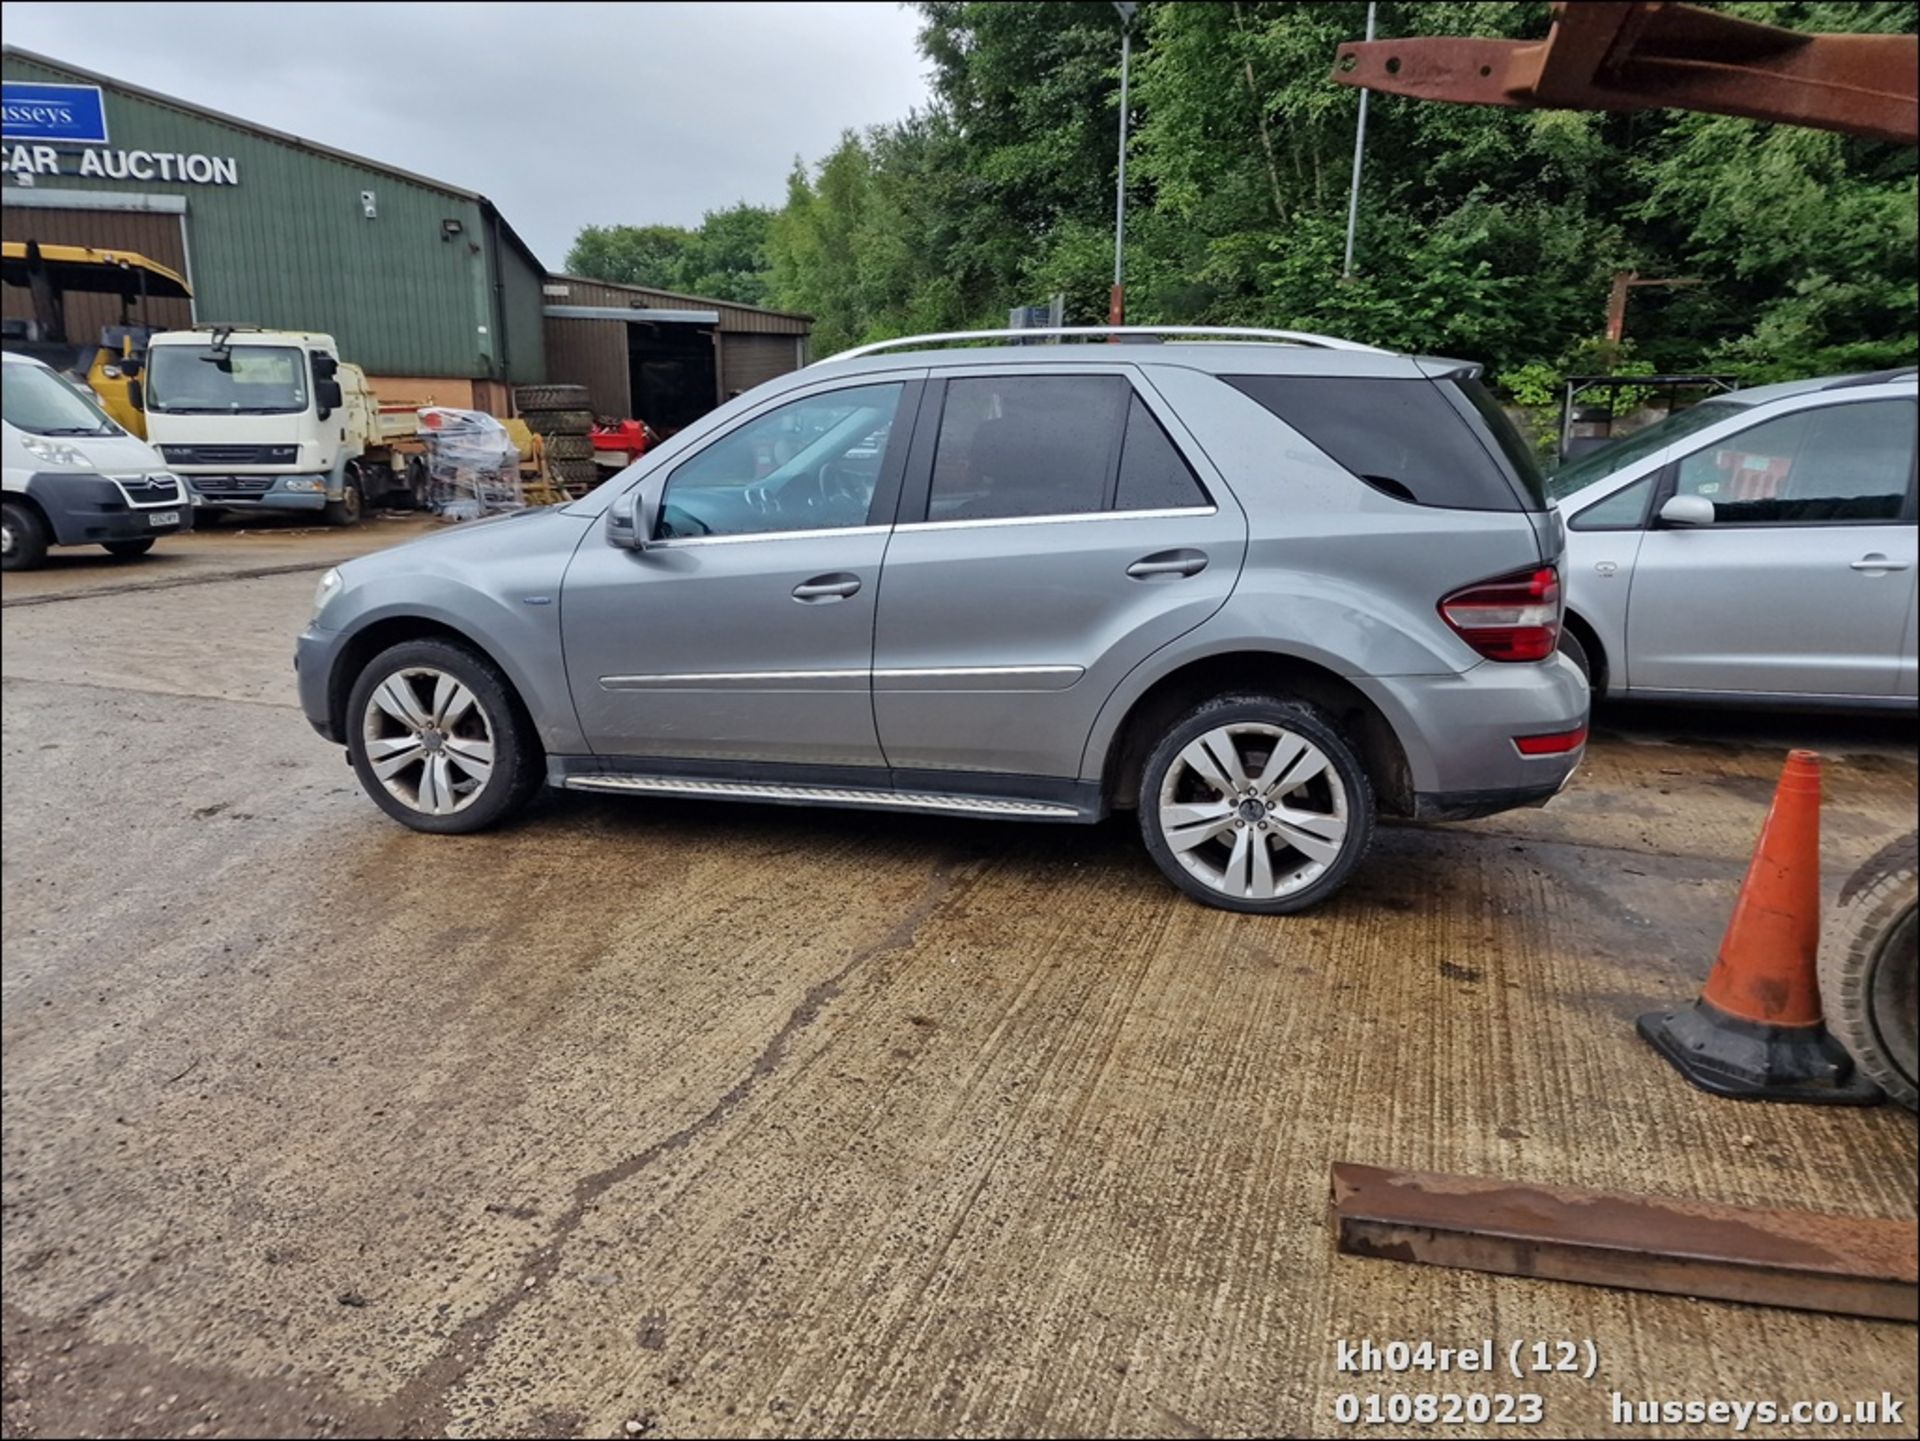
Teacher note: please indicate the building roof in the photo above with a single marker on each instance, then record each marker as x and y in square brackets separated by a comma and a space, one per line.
[283, 137]
[706, 301]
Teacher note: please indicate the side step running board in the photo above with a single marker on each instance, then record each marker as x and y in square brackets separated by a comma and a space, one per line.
[824, 796]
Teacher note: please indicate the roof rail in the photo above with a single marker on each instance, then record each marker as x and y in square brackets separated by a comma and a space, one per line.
[1232, 332]
[1876, 377]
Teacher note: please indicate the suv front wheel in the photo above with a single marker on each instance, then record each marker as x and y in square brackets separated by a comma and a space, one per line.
[1255, 803]
[437, 741]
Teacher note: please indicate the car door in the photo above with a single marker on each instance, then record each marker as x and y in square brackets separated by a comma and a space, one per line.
[1058, 525]
[1804, 581]
[743, 630]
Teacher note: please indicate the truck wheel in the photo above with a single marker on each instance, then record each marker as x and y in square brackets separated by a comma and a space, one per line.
[23, 537]
[569, 447]
[438, 740]
[1869, 972]
[127, 549]
[346, 510]
[1256, 803]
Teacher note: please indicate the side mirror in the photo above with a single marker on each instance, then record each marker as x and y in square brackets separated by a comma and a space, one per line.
[136, 397]
[329, 396]
[1687, 512]
[325, 367]
[632, 518]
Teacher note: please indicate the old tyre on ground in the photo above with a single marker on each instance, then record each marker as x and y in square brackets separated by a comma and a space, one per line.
[1256, 803]
[438, 740]
[528, 398]
[127, 549]
[569, 447]
[1870, 973]
[578, 474]
[23, 536]
[559, 422]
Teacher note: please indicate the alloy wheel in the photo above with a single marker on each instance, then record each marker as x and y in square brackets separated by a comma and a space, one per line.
[1254, 811]
[428, 740]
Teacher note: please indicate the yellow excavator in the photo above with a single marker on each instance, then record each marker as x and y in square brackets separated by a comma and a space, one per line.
[110, 363]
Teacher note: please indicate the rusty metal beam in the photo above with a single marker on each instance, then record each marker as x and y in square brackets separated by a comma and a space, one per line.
[1644, 55]
[1800, 1259]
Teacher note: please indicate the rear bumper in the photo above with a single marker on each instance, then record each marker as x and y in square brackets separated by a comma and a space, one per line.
[90, 509]
[1458, 734]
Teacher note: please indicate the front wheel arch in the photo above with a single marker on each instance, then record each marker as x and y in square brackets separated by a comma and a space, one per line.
[382, 635]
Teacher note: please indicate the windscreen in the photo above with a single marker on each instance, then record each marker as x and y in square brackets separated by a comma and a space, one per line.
[232, 380]
[1595, 464]
[41, 403]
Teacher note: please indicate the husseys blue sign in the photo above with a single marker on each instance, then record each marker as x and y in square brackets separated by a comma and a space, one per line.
[62, 114]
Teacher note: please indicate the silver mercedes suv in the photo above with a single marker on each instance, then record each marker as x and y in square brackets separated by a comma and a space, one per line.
[1257, 586]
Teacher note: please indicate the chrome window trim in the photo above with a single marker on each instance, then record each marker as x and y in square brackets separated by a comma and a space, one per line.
[824, 532]
[1173, 513]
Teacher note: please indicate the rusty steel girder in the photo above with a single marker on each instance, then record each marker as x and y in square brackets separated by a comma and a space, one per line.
[1645, 55]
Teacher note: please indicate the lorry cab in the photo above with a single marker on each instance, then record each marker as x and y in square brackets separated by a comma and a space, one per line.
[261, 419]
[75, 476]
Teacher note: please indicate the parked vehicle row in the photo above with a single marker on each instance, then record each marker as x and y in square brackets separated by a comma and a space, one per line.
[1257, 593]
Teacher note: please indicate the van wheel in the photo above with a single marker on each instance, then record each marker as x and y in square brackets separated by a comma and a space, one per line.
[346, 510]
[23, 537]
[1256, 803]
[437, 739]
[127, 549]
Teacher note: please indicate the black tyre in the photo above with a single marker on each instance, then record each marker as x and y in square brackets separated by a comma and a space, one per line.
[1870, 970]
[1572, 648]
[559, 422]
[1256, 803]
[569, 447]
[438, 739]
[578, 474]
[127, 549]
[347, 509]
[529, 398]
[23, 536]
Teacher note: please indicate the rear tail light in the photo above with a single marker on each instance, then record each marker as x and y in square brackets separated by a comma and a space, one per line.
[1511, 617]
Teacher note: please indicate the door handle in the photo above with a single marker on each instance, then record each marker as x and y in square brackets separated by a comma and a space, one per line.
[1168, 563]
[827, 587]
[1873, 560]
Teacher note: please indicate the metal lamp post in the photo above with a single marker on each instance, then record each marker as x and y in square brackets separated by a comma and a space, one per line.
[1359, 144]
[1117, 302]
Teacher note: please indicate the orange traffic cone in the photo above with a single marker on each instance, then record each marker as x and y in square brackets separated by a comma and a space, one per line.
[1756, 1031]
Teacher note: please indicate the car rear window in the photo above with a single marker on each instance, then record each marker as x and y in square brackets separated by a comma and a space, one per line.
[1408, 438]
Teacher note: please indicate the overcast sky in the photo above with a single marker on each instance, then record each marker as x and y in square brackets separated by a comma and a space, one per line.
[564, 115]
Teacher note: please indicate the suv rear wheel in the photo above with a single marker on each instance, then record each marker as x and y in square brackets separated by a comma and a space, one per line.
[1256, 803]
[437, 741]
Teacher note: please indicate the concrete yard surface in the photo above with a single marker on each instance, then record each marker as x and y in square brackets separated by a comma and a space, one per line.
[664, 1118]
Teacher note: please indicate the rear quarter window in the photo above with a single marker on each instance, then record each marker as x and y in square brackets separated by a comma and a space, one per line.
[1409, 438]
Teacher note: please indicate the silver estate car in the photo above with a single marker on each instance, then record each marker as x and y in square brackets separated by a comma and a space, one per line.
[1757, 548]
[1256, 591]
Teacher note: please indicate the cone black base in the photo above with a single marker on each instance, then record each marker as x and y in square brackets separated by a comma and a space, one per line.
[1748, 1061]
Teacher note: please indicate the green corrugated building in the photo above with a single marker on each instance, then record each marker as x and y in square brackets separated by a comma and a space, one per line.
[423, 284]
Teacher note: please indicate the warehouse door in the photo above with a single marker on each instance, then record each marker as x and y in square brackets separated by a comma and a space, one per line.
[670, 369]
[158, 237]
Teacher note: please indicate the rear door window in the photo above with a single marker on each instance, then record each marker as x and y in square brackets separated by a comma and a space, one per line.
[1027, 445]
[1153, 474]
[1406, 438]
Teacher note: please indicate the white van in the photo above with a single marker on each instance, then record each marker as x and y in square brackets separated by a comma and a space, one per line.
[73, 476]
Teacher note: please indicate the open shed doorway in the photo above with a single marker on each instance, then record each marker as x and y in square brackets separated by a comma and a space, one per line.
[671, 371]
